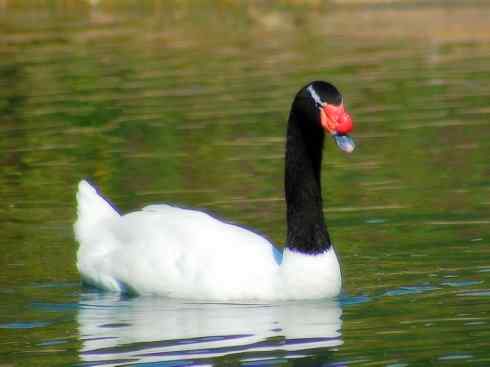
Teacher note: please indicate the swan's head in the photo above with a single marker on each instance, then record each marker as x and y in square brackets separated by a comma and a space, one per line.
[331, 113]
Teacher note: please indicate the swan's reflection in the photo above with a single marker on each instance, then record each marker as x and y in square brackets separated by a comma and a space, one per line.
[143, 329]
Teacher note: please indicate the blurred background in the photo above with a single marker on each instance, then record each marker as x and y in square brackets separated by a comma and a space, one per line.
[186, 102]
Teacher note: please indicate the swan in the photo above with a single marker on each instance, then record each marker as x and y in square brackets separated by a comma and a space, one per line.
[182, 253]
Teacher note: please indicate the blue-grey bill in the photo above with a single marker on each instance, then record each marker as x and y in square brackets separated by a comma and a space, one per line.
[345, 142]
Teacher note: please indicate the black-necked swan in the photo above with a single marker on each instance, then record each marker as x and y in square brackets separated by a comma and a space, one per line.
[184, 253]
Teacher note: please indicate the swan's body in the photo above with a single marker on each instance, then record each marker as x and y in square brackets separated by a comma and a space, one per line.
[186, 253]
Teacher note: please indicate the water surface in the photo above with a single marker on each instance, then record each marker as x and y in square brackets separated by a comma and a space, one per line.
[161, 102]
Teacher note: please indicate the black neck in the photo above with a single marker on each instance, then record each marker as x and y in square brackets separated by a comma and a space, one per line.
[307, 232]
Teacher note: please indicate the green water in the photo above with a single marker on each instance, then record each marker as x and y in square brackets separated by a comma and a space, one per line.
[186, 103]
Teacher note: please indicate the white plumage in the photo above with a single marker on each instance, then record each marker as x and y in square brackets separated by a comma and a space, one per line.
[185, 253]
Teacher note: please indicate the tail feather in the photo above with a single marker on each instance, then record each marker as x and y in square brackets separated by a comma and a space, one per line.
[91, 208]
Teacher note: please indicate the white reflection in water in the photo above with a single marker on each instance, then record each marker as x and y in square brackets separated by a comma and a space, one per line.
[145, 329]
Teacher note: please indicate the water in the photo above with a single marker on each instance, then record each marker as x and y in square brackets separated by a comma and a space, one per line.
[186, 103]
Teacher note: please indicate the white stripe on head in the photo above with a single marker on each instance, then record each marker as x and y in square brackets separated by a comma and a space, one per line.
[315, 96]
